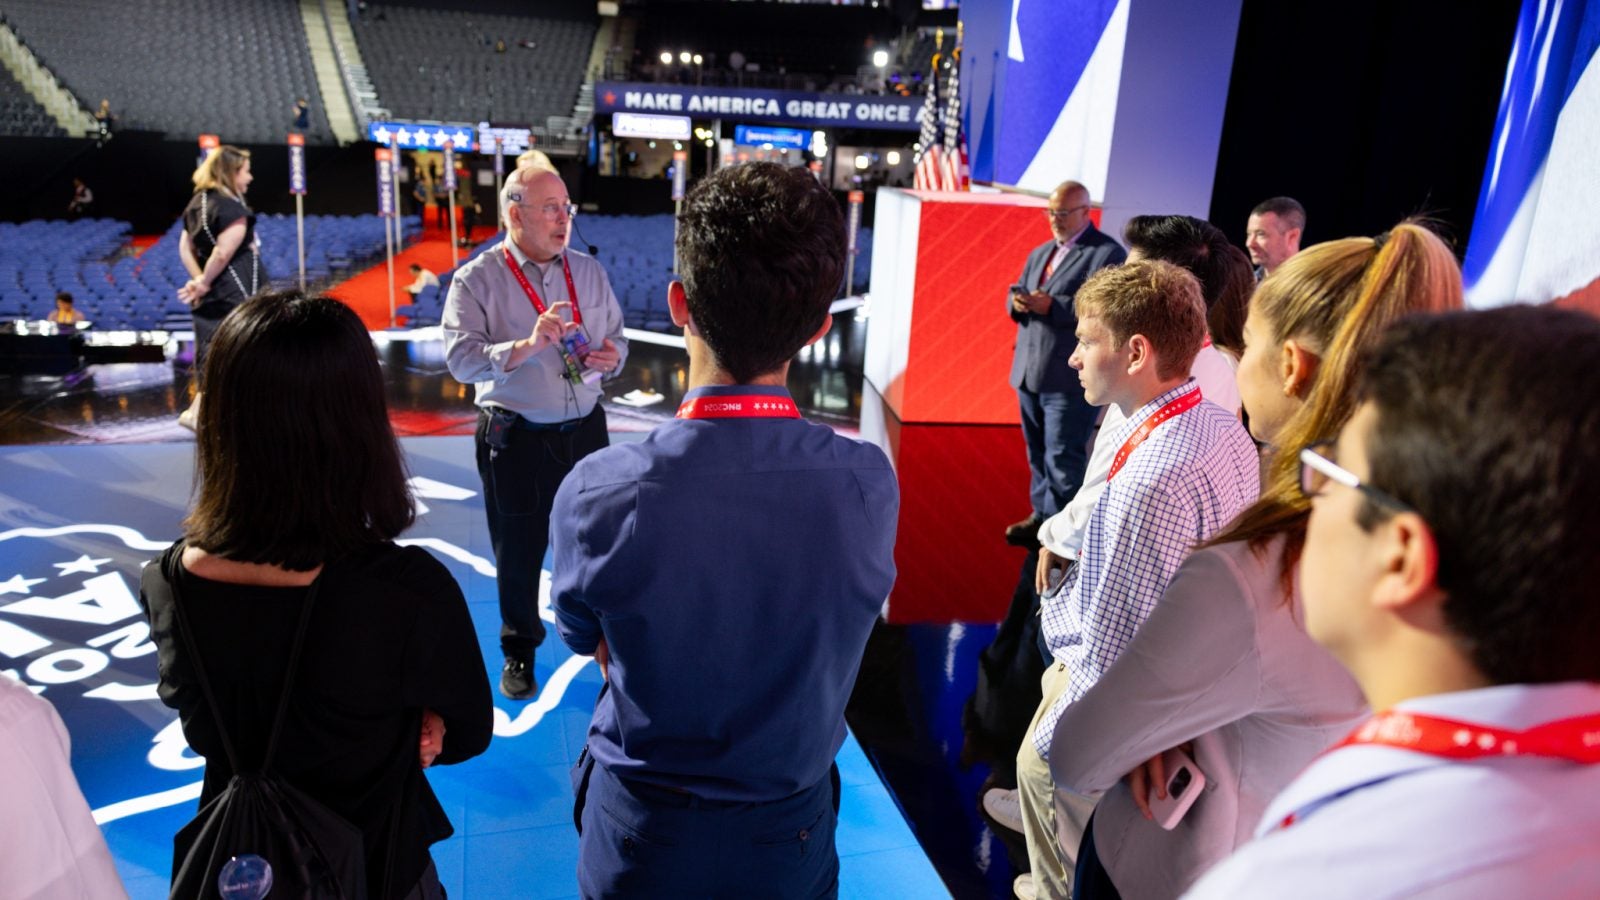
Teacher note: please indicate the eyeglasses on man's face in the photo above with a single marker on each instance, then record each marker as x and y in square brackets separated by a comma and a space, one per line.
[1317, 468]
[553, 211]
[1063, 213]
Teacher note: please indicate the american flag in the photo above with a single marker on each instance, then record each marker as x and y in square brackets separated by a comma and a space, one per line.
[928, 169]
[954, 175]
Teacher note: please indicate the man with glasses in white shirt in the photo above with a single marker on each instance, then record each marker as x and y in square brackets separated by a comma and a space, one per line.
[1056, 421]
[533, 326]
[1450, 565]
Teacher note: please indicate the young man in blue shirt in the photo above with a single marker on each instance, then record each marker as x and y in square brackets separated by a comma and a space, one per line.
[725, 573]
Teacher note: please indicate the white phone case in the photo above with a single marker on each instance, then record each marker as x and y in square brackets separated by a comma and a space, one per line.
[1185, 781]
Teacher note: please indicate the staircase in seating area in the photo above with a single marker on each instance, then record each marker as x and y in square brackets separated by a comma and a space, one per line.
[331, 82]
[565, 131]
[43, 85]
[363, 93]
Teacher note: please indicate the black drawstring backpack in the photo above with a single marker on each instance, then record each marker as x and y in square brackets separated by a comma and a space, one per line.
[314, 852]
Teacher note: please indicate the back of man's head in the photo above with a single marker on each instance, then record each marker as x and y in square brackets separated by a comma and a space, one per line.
[1193, 244]
[1487, 427]
[761, 252]
[1150, 297]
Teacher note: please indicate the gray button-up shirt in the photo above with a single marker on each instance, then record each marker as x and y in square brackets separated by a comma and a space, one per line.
[487, 311]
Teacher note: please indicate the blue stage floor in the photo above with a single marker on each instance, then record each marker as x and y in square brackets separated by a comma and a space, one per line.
[77, 523]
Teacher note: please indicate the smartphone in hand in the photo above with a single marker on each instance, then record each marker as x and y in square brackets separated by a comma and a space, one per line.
[1185, 781]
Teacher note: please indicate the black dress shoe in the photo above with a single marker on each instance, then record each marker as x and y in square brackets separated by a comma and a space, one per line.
[1024, 533]
[516, 679]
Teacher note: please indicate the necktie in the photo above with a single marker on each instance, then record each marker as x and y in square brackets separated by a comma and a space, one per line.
[1050, 265]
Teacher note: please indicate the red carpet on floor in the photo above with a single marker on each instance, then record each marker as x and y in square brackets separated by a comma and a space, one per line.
[368, 292]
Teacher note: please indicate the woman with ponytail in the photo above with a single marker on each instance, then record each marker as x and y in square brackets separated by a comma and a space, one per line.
[1223, 669]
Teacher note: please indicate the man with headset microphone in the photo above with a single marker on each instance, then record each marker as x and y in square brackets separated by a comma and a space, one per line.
[532, 326]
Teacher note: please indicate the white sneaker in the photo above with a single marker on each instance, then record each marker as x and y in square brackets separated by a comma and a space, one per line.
[1003, 806]
[1023, 887]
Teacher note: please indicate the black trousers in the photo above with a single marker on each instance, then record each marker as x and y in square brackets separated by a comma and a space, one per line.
[208, 318]
[1006, 695]
[519, 487]
[1091, 881]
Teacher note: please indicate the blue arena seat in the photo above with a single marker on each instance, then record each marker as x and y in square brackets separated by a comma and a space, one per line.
[39, 258]
[217, 66]
[442, 64]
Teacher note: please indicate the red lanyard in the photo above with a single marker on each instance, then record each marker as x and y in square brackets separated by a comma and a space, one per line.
[739, 406]
[1575, 740]
[533, 296]
[1175, 407]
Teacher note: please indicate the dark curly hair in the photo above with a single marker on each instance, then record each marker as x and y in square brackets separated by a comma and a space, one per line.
[761, 252]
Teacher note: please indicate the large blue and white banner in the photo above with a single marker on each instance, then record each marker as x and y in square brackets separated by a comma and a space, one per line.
[760, 105]
[1058, 100]
[1536, 236]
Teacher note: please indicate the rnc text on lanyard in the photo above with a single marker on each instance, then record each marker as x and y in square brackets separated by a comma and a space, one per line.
[533, 296]
[739, 406]
[1173, 408]
[1575, 740]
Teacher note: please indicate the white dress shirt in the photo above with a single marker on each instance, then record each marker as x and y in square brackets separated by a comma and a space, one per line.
[50, 846]
[1378, 822]
[1062, 533]
[425, 278]
[1190, 476]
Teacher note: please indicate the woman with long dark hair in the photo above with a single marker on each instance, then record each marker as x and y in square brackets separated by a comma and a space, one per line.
[301, 492]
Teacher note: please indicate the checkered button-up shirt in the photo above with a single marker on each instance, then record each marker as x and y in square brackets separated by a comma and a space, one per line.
[1192, 474]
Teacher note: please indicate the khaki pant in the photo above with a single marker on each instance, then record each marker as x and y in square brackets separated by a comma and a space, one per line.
[1052, 821]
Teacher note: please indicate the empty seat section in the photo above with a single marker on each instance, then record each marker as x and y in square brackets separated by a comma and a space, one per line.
[181, 67]
[444, 64]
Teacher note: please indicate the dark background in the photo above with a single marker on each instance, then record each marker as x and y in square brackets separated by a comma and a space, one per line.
[1364, 111]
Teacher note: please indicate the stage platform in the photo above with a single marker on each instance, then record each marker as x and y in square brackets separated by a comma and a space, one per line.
[78, 522]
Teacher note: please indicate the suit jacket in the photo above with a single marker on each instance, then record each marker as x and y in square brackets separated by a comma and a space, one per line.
[1039, 363]
[1222, 661]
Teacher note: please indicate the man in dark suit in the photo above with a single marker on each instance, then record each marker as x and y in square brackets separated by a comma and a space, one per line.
[1056, 420]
